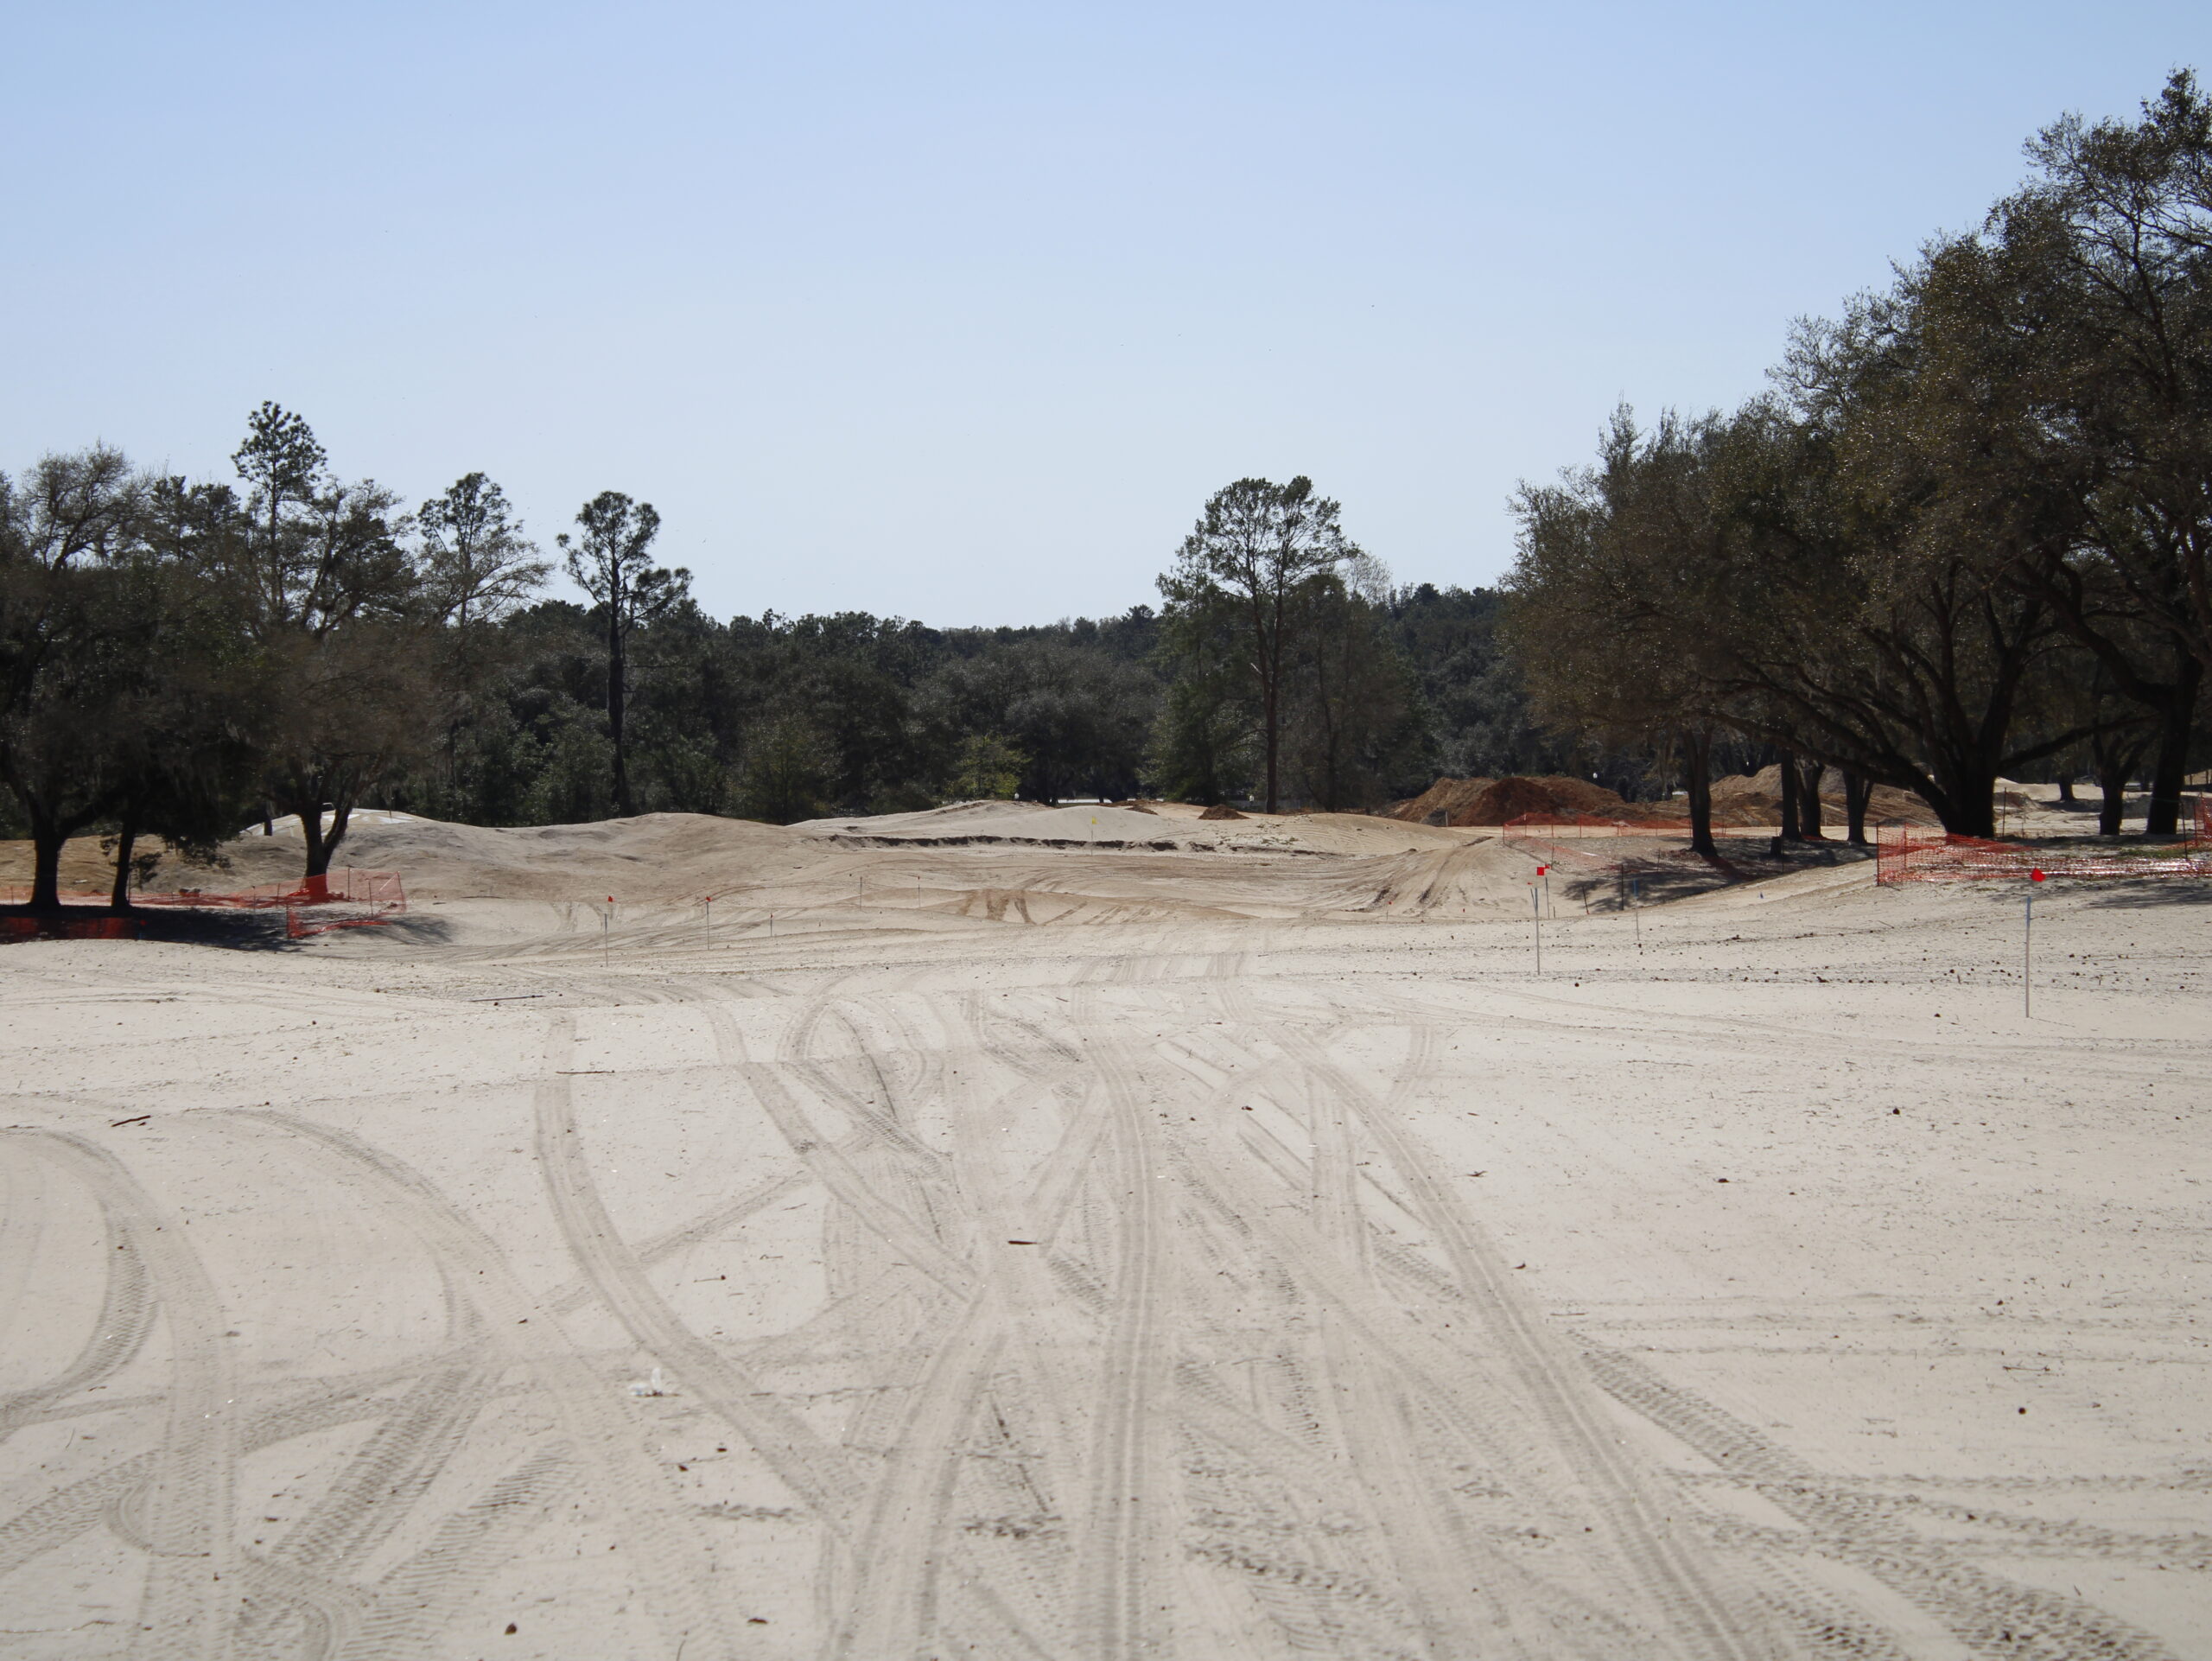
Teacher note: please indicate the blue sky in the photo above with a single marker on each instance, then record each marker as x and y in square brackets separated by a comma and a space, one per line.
[959, 312]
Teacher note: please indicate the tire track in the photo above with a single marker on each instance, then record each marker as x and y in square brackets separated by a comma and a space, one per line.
[1553, 1385]
[817, 1475]
[1123, 1508]
[186, 1609]
[669, 1557]
[1983, 1610]
[120, 1330]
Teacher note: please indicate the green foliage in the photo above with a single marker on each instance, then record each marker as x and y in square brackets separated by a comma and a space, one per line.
[989, 767]
[1203, 749]
[786, 771]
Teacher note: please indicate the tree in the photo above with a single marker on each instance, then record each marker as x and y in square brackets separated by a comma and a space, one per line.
[283, 466]
[784, 773]
[1255, 555]
[608, 560]
[68, 645]
[1611, 605]
[200, 708]
[2102, 267]
[477, 564]
[989, 767]
[334, 605]
[1078, 717]
[1205, 738]
[1353, 724]
[1871, 613]
[478, 568]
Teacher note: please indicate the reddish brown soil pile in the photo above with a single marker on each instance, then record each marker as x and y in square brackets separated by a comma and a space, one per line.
[1446, 796]
[1755, 798]
[1221, 811]
[1494, 801]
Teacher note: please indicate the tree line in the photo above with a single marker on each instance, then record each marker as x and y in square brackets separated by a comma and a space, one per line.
[178, 659]
[1967, 533]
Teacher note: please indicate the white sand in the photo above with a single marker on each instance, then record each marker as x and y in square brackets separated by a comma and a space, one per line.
[1119, 1254]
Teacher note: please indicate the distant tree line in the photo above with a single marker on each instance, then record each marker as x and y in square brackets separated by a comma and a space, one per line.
[1967, 534]
[178, 659]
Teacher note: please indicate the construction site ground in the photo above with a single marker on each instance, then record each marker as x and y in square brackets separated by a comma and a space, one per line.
[1035, 1232]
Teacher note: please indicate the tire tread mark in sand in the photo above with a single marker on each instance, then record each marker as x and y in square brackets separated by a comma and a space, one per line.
[367, 1500]
[1556, 1389]
[389, 1472]
[816, 1474]
[836, 1171]
[125, 1319]
[186, 1609]
[1380, 1361]
[1371, 1413]
[61, 1516]
[892, 1609]
[1984, 1610]
[421, 1599]
[1111, 1577]
[669, 1559]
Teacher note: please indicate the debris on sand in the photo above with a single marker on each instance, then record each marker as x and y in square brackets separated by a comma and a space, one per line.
[1221, 811]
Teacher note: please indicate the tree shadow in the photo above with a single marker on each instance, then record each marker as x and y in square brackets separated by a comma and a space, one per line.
[230, 931]
[2145, 893]
[1680, 875]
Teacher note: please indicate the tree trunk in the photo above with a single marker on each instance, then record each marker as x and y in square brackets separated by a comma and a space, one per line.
[1274, 739]
[1788, 767]
[305, 799]
[2113, 780]
[1808, 801]
[119, 897]
[318, 852]
[617, 673]
[1968, 811]
[1857, 792]
[2066, 790]
[47, 839]
[1697, 776]
[2175, 722]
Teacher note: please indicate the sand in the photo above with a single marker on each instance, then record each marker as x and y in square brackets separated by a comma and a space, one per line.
[1026, 1250]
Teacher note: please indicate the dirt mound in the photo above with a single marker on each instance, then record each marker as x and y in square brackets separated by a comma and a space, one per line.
[1495, 801]
[1221, 811]
[1755, 798]
[1446, 797]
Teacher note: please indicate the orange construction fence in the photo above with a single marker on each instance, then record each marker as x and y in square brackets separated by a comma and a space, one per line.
[379, 895]
[1906, 853]
[1588, 842]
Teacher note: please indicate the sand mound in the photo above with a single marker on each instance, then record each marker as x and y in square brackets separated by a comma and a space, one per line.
[1221, 811]
[1002, 822]
[654, 857]
[952, 813]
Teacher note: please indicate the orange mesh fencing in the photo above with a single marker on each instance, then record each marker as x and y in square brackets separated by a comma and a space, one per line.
[379, 895]
[1905, 853]
[1589, 844]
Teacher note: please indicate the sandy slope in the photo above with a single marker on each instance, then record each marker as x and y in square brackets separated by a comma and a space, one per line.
[1119, 1254]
